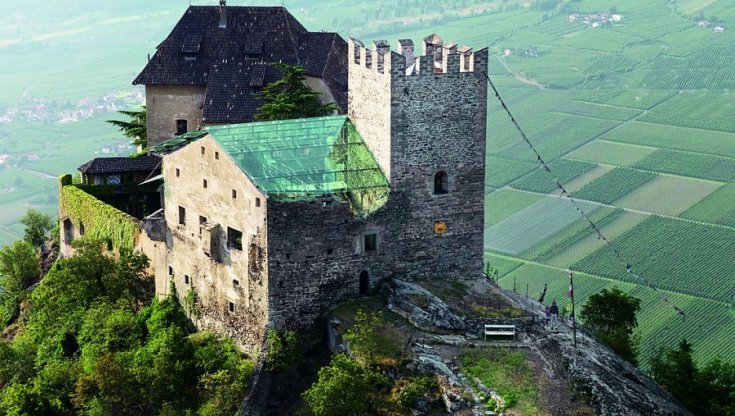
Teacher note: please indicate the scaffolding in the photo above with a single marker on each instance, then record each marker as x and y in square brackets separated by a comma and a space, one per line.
[307, 159]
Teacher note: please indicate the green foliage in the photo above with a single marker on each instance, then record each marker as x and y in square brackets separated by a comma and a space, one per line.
[37, 226]
[89, 349]
[362, 336]
[611, 315]
[136, 128]
[100, 220]
[18, 270]
[507, 372]
[283, 349]
[290, 98]
[706, 392]
[344, 388]
[414, 390]
[190, 303]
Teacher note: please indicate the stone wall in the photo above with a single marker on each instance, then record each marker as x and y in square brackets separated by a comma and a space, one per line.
[167, 103]
[368, 98]
[220, 276]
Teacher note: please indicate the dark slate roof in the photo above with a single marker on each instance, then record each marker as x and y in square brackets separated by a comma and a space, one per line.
[106, 165]
[233, 63]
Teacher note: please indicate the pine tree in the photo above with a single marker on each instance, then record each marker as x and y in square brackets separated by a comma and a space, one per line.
[290, 98]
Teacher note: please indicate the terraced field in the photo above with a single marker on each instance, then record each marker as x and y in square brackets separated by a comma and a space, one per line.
[614, 185]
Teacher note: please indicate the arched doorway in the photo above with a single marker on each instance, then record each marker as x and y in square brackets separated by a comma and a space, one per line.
[364, 282]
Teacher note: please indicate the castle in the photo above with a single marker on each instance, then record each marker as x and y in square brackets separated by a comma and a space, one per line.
[271, 224]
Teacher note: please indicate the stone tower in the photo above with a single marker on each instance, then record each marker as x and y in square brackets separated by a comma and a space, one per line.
[424, 119]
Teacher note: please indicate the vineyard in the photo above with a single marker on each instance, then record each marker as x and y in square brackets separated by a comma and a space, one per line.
[710, 326]
[615, 184]
[503, 203]
[668, 195]
[718, 208]
[683, 257]
[675, 138]
[613, 153]
[690, 164]
[533, 224]
[541, 181]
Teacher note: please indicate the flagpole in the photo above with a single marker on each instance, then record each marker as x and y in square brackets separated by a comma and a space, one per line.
[574, 316]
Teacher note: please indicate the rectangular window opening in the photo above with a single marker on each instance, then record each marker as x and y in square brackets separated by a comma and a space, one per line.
[371, 242]
[257, 202]
[204, 183]
[181, 127]
[182, 215]
[216, 155]
[234, 239]
[203, 150]
[202, 220]
[234, 194]
[178, 172]
[186, 279]
[230, 307]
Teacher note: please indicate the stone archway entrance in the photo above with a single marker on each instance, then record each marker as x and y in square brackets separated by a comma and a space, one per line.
[364, 282]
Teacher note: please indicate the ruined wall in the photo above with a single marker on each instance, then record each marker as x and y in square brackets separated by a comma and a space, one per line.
[218, 274]
[167, 103]
[368, 98]
[437, 123]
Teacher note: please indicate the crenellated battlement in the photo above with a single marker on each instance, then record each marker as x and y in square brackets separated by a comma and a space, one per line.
[437, 59]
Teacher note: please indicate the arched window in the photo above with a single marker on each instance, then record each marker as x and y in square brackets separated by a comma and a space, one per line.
[441, 183]
[364, 282]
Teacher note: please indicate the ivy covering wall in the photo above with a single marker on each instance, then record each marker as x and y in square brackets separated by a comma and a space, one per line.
[101, 221]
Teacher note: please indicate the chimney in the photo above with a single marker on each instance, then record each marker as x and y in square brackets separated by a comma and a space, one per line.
[222, 14]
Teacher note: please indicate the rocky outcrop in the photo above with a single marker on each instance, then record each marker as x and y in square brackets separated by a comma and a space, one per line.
[420, 307]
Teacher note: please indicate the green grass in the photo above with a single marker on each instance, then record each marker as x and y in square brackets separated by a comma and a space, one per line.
[717, 208]
[503, 203]
[615, 184]
[542, 181]
[509, 373]
[504, 265]
[612, 153]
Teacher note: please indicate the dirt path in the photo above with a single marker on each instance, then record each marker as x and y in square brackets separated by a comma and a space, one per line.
[520, 77]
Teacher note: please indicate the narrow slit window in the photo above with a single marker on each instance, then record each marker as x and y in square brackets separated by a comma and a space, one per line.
[182, 216]
[204, 183]
[186, 279]
[257, 202]
[178, 172]
[203, 150]
[170, 271]
[216, 155]
[202, 220]
[230, 307]
[234, 194]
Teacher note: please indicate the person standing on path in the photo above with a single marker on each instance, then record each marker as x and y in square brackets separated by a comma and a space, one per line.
[554, 315]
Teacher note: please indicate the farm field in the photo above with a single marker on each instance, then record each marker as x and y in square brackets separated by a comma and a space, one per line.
[618, 154]
[717, 208]
[614, 185]
[668, 195]
[541, 181]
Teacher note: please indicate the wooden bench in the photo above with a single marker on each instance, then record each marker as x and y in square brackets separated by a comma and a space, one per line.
[500, 330]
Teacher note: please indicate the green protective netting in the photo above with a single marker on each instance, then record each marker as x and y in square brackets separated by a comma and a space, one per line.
[177, 142]
[307, 159]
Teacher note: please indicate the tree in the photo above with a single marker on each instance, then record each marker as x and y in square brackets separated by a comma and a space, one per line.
[717, 382]
[290, 98]
[676, 372]
[37, 226]
[18, 270]
[362, 336]
[342, 389]
[611, 316]
[136, 128]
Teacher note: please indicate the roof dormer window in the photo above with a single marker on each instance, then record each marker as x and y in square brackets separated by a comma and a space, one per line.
[190, 47]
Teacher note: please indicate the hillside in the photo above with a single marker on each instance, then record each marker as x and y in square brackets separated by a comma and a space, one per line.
[634, 114]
